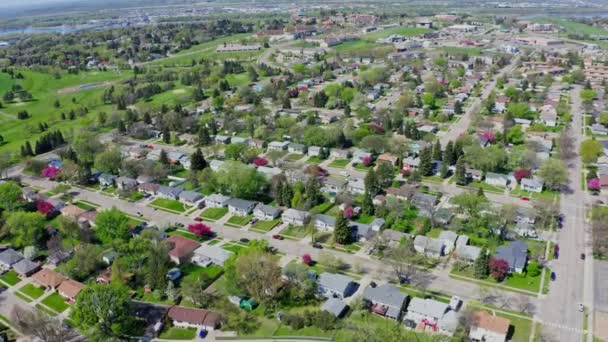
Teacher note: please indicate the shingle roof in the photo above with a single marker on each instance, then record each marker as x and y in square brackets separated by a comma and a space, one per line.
[485, 320]
[70, 288]
[336, 282]
[48, 278]
[295, 214]
[385, 294]
[25, 266]
[182, 246]
[240, 204]
[515, 253]
[194, 316]
[10, 257]
[334, 306]
[427, 307]
[170, 190]
[191, 196]
[326, 219]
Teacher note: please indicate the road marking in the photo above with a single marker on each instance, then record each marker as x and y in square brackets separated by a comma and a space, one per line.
[563, 327]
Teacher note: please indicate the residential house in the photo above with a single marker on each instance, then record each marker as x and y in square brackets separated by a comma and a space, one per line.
[515, 254]
[548, 115]
[410, 164]
[426, 311]
[30, 194]
[216, 165]
[425, 203]
[181, 248]
[57, 204]
[9, 257]
[377, 224]
[443, 216]
[69, 289]
[431, 247]
[210, 254]
[335, 307]
[393, 237]
[216, 201]
[169, 192]
[269, 172]
[359, 156]
[462, 240]
[297, 148]
[240, 207]
[486, 327]
[141, 179]
[534, 184]
[72, 211]
[295, 217]
[339, 154]
[194, 318]
[332, 285]
[149, 188]
[278, 145]
[496, 179]
[266, 212]
[174, 157]
[48, 279]
[525, 215]
[449, 240]
[25, 267]
[221, 139]
[360, 231]
[256, 143]
[325, 222]
[473, 174]
[185, 162]
[599, 129]
[315, 151]
[403, 193]
[385, 300]
[126, 183]
[239, 140]
[106, 180]
[389, 158]
[356, 186]
[334, 185]
[191, 198]
[467, 253]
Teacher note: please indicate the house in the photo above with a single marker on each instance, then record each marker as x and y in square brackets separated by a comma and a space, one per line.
[403, 193]
[221, 139]
[335, 307]
[377, 224]
[393, 237]
[239, 140]
[431, 247]
[256, 143]
[269, 172]
[185, 162]
[106, 180]
[316, 151]
[443, 216]
[448, 324]
[496, 179]
[216, 201]
[534, 184]
[48, 279]
[126, 183]
[240, 207]
[335, 285]
[193, 318]
[425, 203]
[473, 174]
[9, 257]
[148, 188]
[389, 158]
[410, 164]
[210, 254]
[266, 212]
[385, 300]
[334, 185]
[69, 289]
[449, 240]
[72, 211]
[485, 327]
[427, 311]
[297, 148]
[548, 115]
[339, 154]
[29, 194]
[356, 186]
[525, 215]
[515, 254]
[169, 192]
[278, 145]
[25, 267]
[325, 222]
[360, 231]
[360, 156]
[296, 217]
[181, 248]
[57, 204]
[599, 129]
[191, 198]
[467, 253]
[462, 240]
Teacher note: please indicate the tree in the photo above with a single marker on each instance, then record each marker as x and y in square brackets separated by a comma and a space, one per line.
[198, 162]
[10, 195]
[25, 228]
[239, 180]
[193, 290]
[307, 259]
[367, 207]
[166, 135]
[112, 225]
[400, 260]
[448, 154]
[555, 173]
[470, 204]
[594, 184]
[45, 208]
[200, 229]
[84, 263]
[163, 158]
[157, 265]
[590, 150]
[109, 161]
[437, 153]
[371, 183]
[521, 173]
[342, 232]
[259, 276]
[313, 192]
[36, 323]
[481, 267]
[461, 172]
[499, 268]
[426, 162]
[103, 312]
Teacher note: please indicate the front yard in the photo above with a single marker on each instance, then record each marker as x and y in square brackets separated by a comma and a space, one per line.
[314, 160]
[56, 302]
[524, 282]
[169, 204]
[11, 278]
[214, 214]
[175, 333]
[265, 226]
[239, 221]
[294, 157]
[32, 291]
[294, 232]
[339, 163]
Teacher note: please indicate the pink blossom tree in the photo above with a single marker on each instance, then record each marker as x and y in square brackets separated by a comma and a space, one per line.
[488, 135]
[594, 184]
[45, 208]
[259, 161]
[50, 172]
[349, 212]
[367, 160]
[519, 174]
[200, 229]
[306, 259]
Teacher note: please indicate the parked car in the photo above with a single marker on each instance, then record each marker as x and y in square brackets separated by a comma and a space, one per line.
[525, 199]
[202, 333]
[581, 307]
[198, 219]
[253, 220]
[553, 276]
[373, 284]
[317, 245]
[582, 256]
[244, 240]
[277, 237]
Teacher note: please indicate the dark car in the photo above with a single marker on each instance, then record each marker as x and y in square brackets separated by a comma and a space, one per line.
[552, 276]
[202, 333]
[277, 237]
[582, 256]
[198, 219]
[244, 240]
[317, 245]
[373, 284]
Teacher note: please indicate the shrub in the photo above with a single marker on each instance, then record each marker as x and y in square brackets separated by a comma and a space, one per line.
[499, 269]
[594, 184]
[306, 259]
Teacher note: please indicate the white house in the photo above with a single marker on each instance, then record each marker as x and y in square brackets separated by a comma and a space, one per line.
[216, 201]
[331, 285]
[240, 207]
[356, 186]
[449, 240]
[488, 328]
[432, 248]
[194, 318]
[496, 179]
[266, 212]
[325, 222]
[278, 145]
[534, 184]
[296, 217]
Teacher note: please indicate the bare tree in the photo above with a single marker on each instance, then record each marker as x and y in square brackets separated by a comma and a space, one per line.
[566, 145]
[399, 258]
[38, 324]
[525, 305]
[487, 295]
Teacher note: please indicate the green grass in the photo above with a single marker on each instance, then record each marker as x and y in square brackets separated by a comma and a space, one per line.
[355, 45]
[339, 163]
[170, 204]
[84, 206]
[574, 27]
[294, 157]
[175, 333]
[188, 235]
[366, 219]
[11, 278]
[487, 187]
[214, 242]
[56, 302]
[239, 221]
[321, 208]
[295, 232]
[233, 248]
[458, 50]
[214, 214]
[434, 233]
[265, 226]
[362, 167]
[32, 291]
[285, 330]
[24, 297]
[46, 310]
[401, 30]
[206, 275]
[516, 281]
[237, 80]
[314, 160]
[377, 323]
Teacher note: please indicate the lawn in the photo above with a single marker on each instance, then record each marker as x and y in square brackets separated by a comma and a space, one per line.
[265, 226]
[321, 208]
[458, 50]
[188, 235]
[401, 30]
[355, 45]
[214, 242]
[169, 204]
[545, 194]
[237, 80]
[487, 187]
[204, 274]
[32, 291]
[294, 157]
[11, 278]
[340, 163]
[314, 160]
[56, 302]
[363, 167]
[285, 330]
[517, 281]
[233, 248]
[432, 179]
[239, 221]
[295, 232]
[214, 214]
[85, 206]
[175, 333]
[366, 219]
[574, 27]
[377, 323]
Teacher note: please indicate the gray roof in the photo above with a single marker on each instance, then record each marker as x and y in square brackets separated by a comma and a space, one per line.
[213, 252]
[515, 253]
[219, 198]
[431, 244]
[326, 219]
[468, 252]
[25, 266]
[337, 182]
[170, 191]
[191, 196]
[378, 222]
[336, 282]
[334, 306]
[296, 214]
[267, 209]
[394, 235]
[385, 294]
[297, 146]
[493, 175]
[535, 182]
[422, 199]
[108, 177]
[428, 307]
[462, 240]
[9, 257]
[449, 322]
[448, 235]
[240, 204]
[360, 229]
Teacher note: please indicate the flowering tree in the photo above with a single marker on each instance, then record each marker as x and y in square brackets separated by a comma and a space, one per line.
[489, 135]
[200, 229]
[259, 161]
[306, 259]
[50, 172]
[499, 268]
[367, 160]
[349, 212]
[594, 184]
[45, 208]
[521, 173]
[316, 170]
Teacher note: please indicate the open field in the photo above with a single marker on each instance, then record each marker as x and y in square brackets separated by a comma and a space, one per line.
[401, 30]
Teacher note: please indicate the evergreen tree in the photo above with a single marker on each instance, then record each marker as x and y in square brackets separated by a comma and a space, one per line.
[121, 126]
[163, 158]
[367, 207]
[313, 192]
[347, 110]
[458, 150]
[197, 161]
[286, 103]
[460, 174]
[285, 194]
[28, 148]
[444, 170]
[147, 118]
[481, 269]
[426, 161]
[342, 233]
[23, 151]
[198, 94]
[62, 116]
[203, 136]
[437, 153]
[458, 108]
[480, 192]
[448, 154]
[371, 182]
[171, 292]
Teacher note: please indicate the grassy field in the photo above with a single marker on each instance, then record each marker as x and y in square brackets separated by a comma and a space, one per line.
[458, 50]
[294, 157]
[206, 275]
[32, 291]
[236, 80]
[574, 27]
[340, 163]
[169, 204]
[294, 232]
[401, 30]
[175, 333]
[314, 160]
[214, 214]
[55, 302]
[355, 45]
[239, 221]
[10, 277]
[265, 225]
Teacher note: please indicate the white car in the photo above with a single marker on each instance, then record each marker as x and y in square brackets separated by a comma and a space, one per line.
[581, 307]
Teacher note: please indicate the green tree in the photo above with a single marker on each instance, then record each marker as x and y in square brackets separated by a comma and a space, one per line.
[461, 172]
[367, 207]
[437, 153]
[112, 225]
[10, 195]
[25, 228]
[313, 192]
[590, 150]
[109, 161]
[193, 290]
[384, 175]
[555, 173]
[426, 162]
[103, 312]
[197, 161]
[157, 261]
[239, 180]
[480, 268]
[236, 151]
[371, 182]
[448, 154]
[342, 232]
[166, 135]
[470, 204]
[163, 158]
